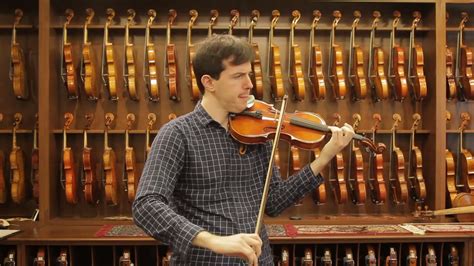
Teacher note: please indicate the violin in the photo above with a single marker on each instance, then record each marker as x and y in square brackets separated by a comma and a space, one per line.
[151, 121]
[109, 164]
[453, 256]
[294, 166]
[315, 62]
[91, 184]
[451, 175]
[131, 177]
[378, 190]
[396, 68]
[348, 260]
[451, 90]
[326, 258]
[416, 63]
[370, 258]
[339, 185]
[308, 257]
[40, 258]
[355, 171]
[87, 64]
[336, 66]
[125, 258]
[320, 192]
[17, 166]
[397, 167]
[274, 65]
[170, 64]
[34, 178]
[69, 168]
[412, 257]
[295, 71]
[285, 256]
[190, 52]
[129, 72]
[355, 69]
[62, 259]
[212, 21]
[10, 259]
[167, 258]
[257, 78]
[464, 63]
[415, 170]
[68, 72]
[391, 259]
[304, 130]
[430, 258]
[376, 72]
[149, 63]
[108, 68]
[17, 62]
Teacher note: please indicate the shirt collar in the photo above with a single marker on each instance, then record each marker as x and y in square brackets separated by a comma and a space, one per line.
[202, 115]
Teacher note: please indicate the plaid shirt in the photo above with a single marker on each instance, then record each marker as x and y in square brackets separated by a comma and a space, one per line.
[195, 180]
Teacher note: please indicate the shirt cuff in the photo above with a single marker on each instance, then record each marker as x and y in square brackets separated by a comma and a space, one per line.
[315, 180]
[184, 237]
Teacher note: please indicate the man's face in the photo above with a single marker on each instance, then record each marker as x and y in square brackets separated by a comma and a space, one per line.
[233, 87]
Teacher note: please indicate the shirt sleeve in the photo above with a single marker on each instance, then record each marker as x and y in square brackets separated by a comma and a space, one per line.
[151, 208]
[284, 193]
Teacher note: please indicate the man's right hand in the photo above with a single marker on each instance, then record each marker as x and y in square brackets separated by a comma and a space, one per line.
[245, 246]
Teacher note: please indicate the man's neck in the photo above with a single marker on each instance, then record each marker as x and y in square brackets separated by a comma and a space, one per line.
[215, 110]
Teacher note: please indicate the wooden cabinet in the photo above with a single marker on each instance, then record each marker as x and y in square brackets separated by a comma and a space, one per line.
[40, 34]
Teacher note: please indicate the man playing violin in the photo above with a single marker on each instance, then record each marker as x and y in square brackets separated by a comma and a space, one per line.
[198, 193]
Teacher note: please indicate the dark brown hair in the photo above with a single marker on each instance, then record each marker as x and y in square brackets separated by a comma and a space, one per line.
[211, 53]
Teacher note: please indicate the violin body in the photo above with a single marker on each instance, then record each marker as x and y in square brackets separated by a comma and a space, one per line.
[257, 73]
[419, 79]
[398, 172]
[338, 79]
[70, 173]
[111, 72]
[17, 171]
[153, 89]
[71, 77]
[3, 183]
[339, 184]
[358, 78]
[172, 72]
[379, 79]
[89, 72]
[131, 73]
[110, 171]
[276, 73]
[417, 169]
[461, 200]
[466, 75]
[317, 74]
[195, 93]
[399, 79]
[377, 172]
[451, 90]
[297, 73]
[132, 177]
[91, 184]
[451, 175]
[357, 171]
[18, 71]
[467, 170]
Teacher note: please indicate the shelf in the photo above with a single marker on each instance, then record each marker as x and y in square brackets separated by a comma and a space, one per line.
[101, 131]
[18, 131]
[18, 27]
[220, 28]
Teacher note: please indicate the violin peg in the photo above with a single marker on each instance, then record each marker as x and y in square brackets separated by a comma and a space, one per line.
[18, 15]
[69, 13]
[275, 13]
[214, 14]
[376, 14]
[172, 116]
[68, 117]
[448, 115]
[89, 119]
[193, 13]
[151, 14]
[464, 16]
[337, 119]
[465, 116]
[337, 14]
[255, 15]
[89, 14]
[416, 14]
[131, 16]
[317, 14]
[172, 14]
[397, 14]
[296, 14]
[130, 120]
[109, 119]
[110, 14]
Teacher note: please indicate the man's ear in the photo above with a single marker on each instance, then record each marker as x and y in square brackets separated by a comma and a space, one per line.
[208, 82]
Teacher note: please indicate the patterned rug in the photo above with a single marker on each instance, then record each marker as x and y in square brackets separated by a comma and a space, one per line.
[129, 230]
[446, 228]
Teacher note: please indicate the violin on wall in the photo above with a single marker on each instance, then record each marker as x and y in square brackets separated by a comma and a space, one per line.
[68, 71]
[376, 69]
[191, 51]
[109, 165]
[17, 166]
[274, 63]
[257, 77]
[150, 62]
[91, 183]
[129, 69]
[108, 69]
[315, 62]
[416, 63]
[396, 64]
[17, 62]
[171, 62]
[355, 69]
[130, 173]
[88, 72]
[295, 70]
[336, 65]
[69, 167]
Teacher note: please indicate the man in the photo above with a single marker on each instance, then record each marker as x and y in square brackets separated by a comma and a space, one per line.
[200, 195]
